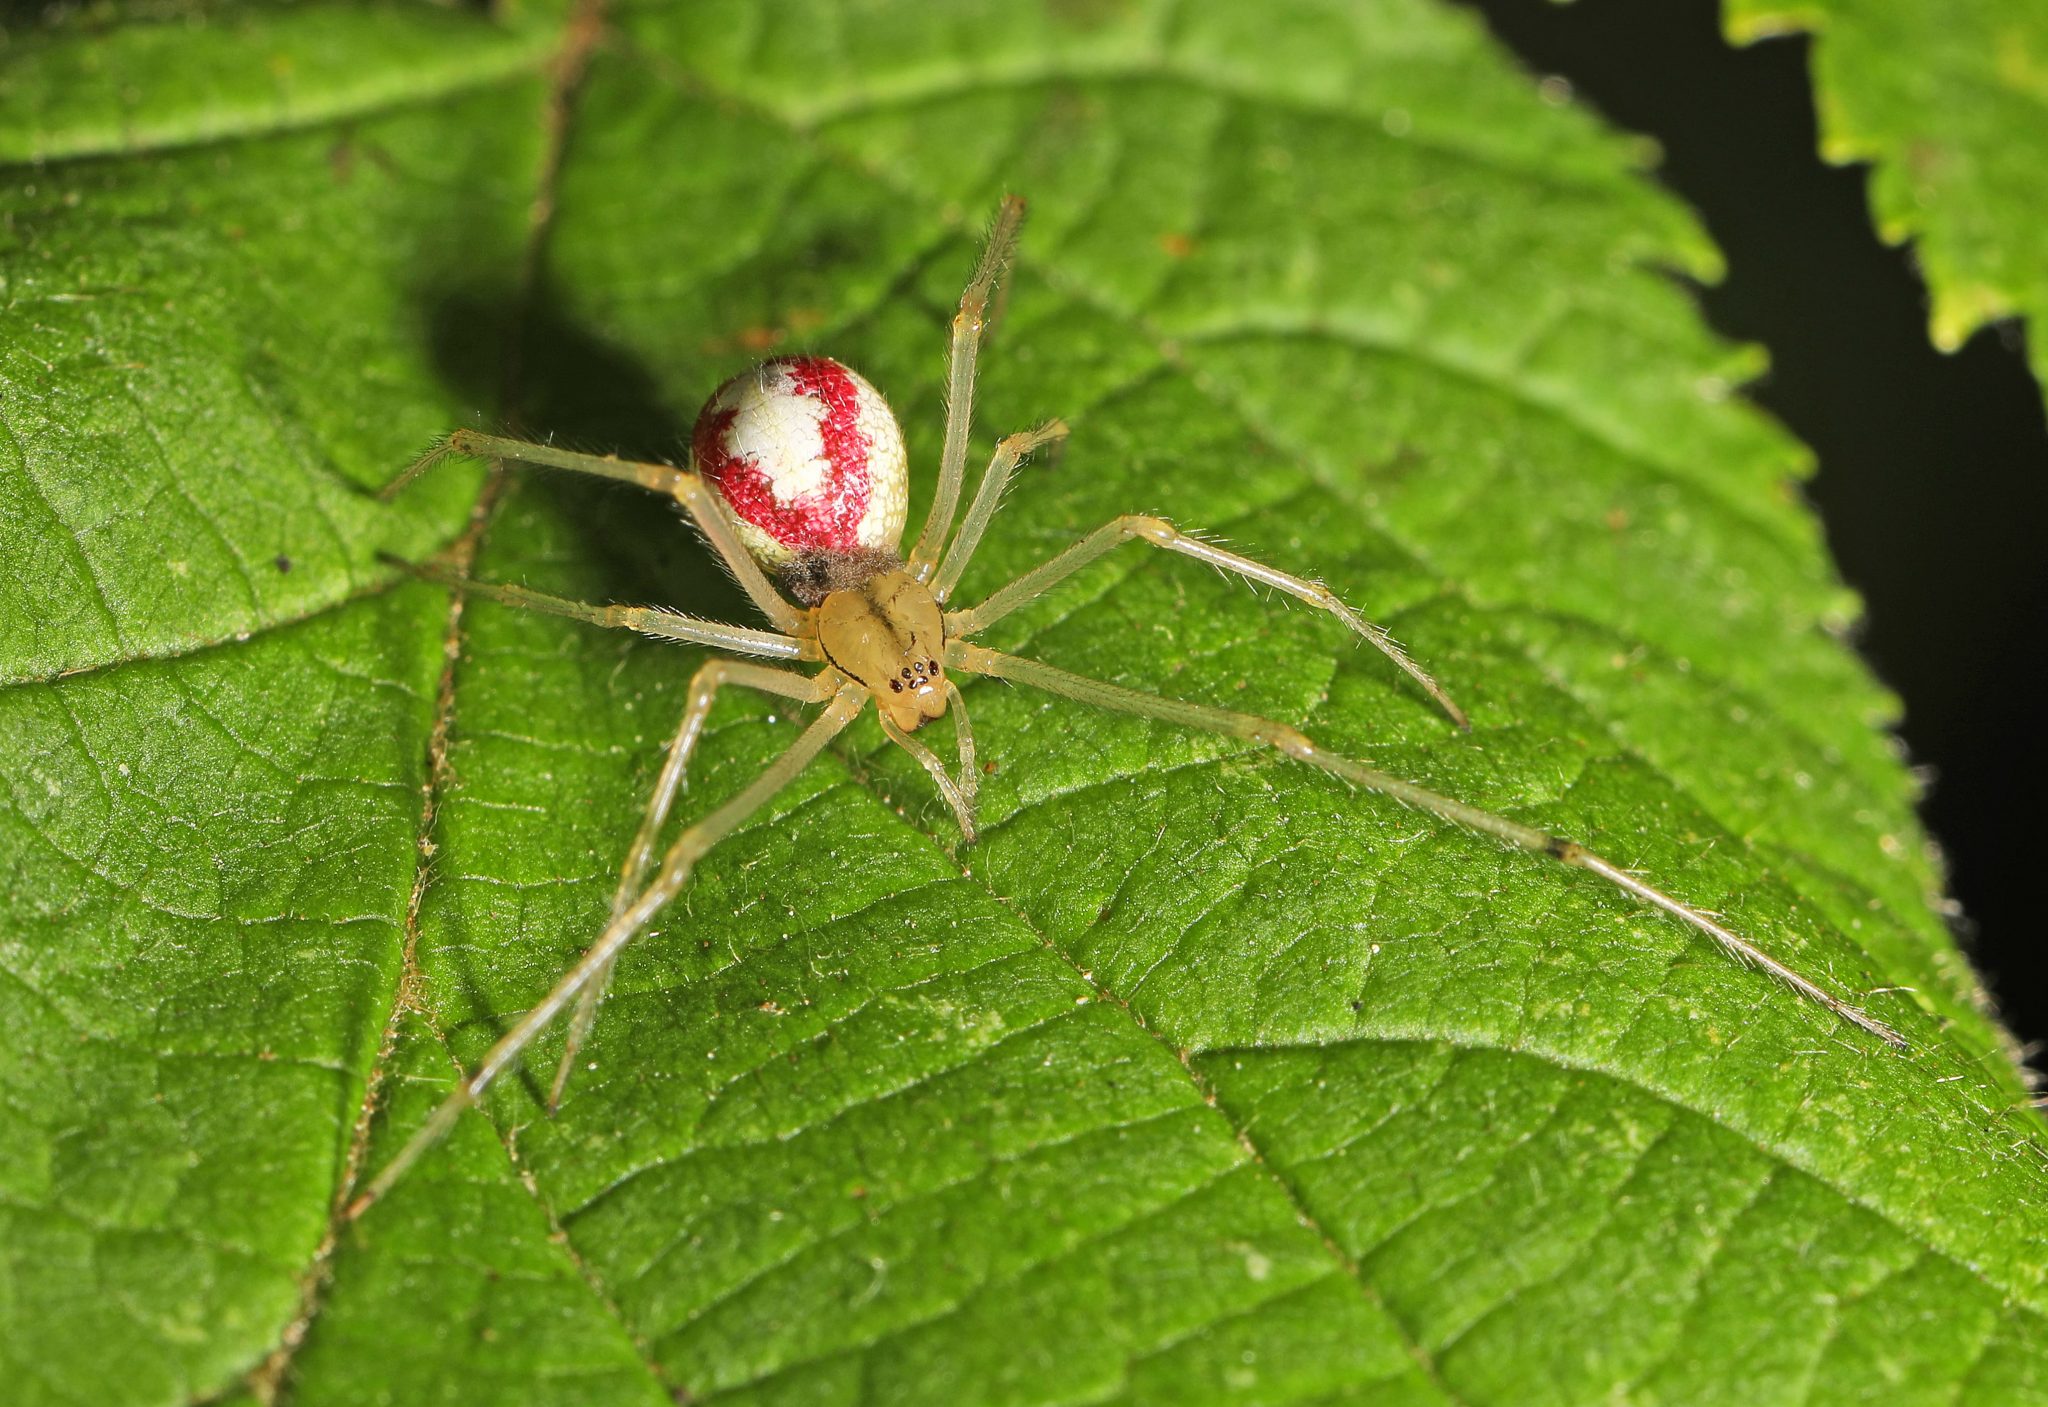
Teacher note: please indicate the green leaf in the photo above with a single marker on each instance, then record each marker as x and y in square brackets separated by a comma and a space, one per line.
[1199, 1078]
[1946, 102]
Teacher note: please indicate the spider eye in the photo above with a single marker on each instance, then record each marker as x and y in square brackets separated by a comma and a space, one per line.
[896, 685]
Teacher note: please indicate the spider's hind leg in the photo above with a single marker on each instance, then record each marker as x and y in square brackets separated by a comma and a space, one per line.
[804, 688]
[698, 498]
[676, 868]
[648, 620]
[1011, 452]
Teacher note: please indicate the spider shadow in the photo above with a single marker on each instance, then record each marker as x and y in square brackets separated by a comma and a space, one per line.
[606, 542]
[574, 387]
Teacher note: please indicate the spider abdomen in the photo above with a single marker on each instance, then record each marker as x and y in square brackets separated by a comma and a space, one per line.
[809, 458]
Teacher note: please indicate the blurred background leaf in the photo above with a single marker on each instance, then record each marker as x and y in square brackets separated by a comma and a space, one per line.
[1945, 102]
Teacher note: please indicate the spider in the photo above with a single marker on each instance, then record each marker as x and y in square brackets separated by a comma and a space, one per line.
[798, 469]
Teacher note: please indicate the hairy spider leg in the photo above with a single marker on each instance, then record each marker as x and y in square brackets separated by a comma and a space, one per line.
[1010, 453]
[676, 867]
[1158, 532]
[706, 509]
[647, 620]
[1292, 742]
[704, 687]
[966, 345]
[959, 793]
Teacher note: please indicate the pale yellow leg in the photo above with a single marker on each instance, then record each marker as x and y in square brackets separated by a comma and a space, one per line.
[648, 620]
[676, 868]
[966, 344]
[702, 502]
[960, 793]
[1010, 452]
[804, 688]
[1138, 527]
[1291, 741]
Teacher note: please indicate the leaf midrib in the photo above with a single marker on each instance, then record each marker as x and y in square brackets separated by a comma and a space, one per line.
[568, 50]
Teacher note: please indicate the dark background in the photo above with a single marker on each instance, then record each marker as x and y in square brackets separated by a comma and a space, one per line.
[1933, 480]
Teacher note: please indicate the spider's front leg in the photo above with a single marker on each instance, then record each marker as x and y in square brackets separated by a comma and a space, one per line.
[1158, 532]
[676, 867]
[966, 346]
[959, 792]
[1294, 743]
[704, 687]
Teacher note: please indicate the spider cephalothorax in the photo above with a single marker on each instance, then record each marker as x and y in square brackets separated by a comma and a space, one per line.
[798, 469]
[809, 459]
[889, 634]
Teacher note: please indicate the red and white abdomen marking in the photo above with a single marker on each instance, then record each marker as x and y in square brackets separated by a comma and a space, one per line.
[808, 456]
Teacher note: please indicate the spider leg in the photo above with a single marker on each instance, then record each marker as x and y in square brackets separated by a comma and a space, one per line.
[701, 501]
[1292, 742]
[960, 793]
[648, 620]
[966, 344]
[970, 775]
[704, 687]
[1159, 533]
[1010, 453]
[676, 867]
